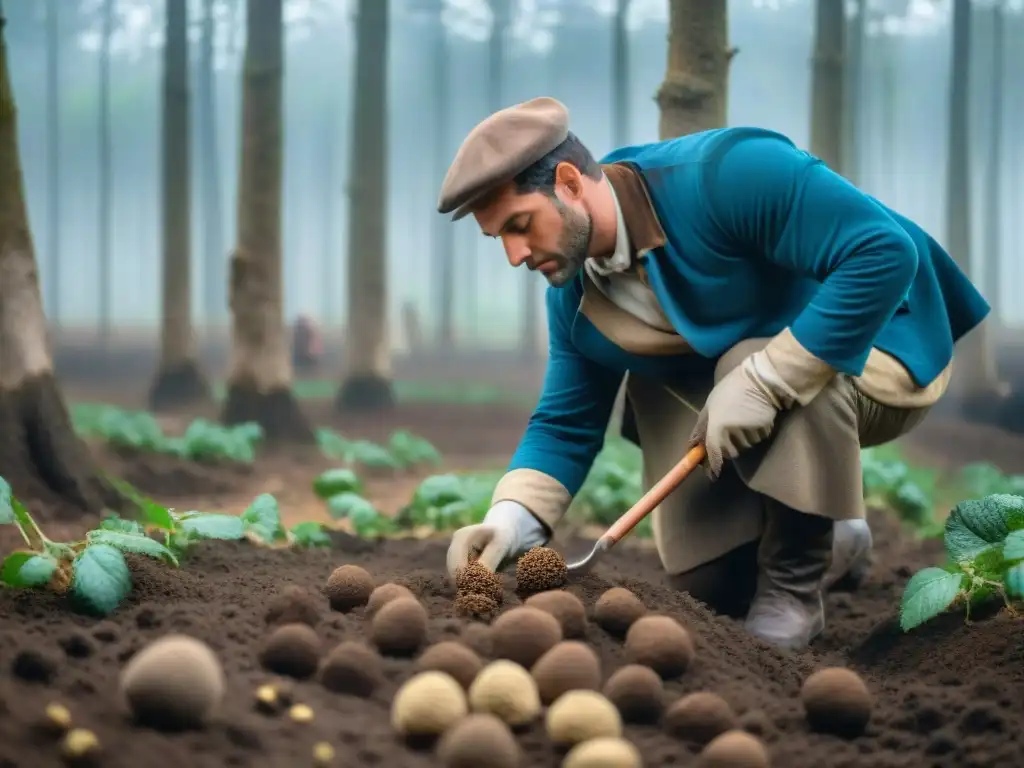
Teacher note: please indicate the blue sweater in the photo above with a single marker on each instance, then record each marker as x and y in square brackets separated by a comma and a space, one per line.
[760, 236]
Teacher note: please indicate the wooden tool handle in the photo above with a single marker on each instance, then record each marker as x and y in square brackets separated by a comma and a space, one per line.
[631, 517]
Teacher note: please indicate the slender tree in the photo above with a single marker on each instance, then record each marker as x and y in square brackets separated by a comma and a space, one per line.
[105, 171]
[444, 232]
[41, 457]
[260, 377]
[212, 212]
[53, 176]
[827, 84]
[994, 166]
[620, 74]
[178, 379]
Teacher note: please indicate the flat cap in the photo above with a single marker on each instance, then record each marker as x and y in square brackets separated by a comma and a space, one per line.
[499, 148]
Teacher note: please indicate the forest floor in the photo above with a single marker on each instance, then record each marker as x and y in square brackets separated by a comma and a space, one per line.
[948, 695]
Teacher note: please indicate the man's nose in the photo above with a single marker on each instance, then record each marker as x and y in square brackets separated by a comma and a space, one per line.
[517, 252]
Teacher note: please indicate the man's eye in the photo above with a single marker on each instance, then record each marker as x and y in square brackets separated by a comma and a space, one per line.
[521, 228]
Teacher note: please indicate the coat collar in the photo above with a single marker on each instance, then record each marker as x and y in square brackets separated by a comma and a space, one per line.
[645, 231]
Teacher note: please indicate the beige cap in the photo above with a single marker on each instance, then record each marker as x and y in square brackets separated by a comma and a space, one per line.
[499, 148]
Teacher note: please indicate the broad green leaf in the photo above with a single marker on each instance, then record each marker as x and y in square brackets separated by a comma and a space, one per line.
[102, 579]
[332, 444]
[438, 490]
[310, 534]
[978, 524]
[1014, 547]
[349, 504]
[156, 515]
[226, 527]
[929, 592]
[335, 481]
[989, 564]
[115, 523]
[136, 544]
[1015, 581]
[412, 450]
[6, 505]
[27, 569]
[264, 511]
[371, 455]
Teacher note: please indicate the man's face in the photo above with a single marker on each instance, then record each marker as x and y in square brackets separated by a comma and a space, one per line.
[547, 234]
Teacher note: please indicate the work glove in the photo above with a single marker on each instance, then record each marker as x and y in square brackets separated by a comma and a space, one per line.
[741, 410]
[507, 531]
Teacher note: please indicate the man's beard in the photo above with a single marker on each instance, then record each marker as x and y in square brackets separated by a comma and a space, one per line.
[573, 245]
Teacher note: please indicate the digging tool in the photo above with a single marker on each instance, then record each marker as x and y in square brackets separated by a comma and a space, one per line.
[632, 517]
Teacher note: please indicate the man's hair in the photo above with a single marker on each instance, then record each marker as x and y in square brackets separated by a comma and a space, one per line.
[540, 177]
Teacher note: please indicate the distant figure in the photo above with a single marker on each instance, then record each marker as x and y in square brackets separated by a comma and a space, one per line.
[307, 344]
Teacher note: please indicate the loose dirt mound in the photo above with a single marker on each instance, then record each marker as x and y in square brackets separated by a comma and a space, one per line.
[947, 696]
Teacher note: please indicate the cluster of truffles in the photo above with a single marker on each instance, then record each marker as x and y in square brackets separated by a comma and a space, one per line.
[479, 592]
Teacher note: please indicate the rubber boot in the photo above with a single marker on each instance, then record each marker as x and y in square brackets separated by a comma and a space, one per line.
[852, 559]
[794, 554]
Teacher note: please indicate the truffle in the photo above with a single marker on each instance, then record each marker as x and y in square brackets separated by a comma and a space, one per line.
[473, 605]
[428, 705]
[385, 593]
[580, 716]
[700, 717]
[293, 650]
[477, 579]
[568, 666]
[837, 702]
[540, 569]
[353, 668]
[479, 740]
[348, 587]
[400, 627]
[637, 692]
[174, 683]
[507, 691]
[452, 657]
[565, 607]
[604, 752]
[617, 609]
[295, 605]
[661, 643]
[524, 634]
[734, 749]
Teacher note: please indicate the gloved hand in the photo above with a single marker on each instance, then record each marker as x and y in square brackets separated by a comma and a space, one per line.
[507, 531]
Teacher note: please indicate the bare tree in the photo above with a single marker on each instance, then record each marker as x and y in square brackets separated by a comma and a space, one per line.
[53, 175]
[41, 457]
[105, 171]
[214, 298]
[178, 379]
[367, 383]
[260, 378]
[444, 232]
[694, 95]
[827, 100]
[620, 74]
[993, 170]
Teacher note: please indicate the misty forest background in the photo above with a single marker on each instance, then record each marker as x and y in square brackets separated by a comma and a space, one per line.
[87, 75]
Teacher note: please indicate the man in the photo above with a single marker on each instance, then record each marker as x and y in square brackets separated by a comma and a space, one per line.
[755, 302]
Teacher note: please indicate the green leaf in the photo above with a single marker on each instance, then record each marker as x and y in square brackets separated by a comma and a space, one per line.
[157, 515]
[6, 503]
[102, 579]
[227, 527]
[928, 593]
[136, 544]
[990, 564]
[349, 505]
[335, 481]
[27, 569]
[265, 514]
[1013, 549]
[438, 490]
[310, 534]
[979, 524]
[115, 523]
[1015, 581]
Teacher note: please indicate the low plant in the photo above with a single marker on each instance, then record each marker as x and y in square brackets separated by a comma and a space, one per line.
[403, 451]
[984, 540]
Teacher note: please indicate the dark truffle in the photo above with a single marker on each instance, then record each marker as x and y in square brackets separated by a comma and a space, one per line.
[478, 636]
[477, 740]
[540, 569]
[734, 749]
[473, 605]
[568, 666]
[637, 692]
[400, 627]
[478, 579]
[565, 607]
[452, 657]
[700, 717]
[661, 643]
[837, 702]
[617, 609]
[293, 650]
[348, 587]
[524, 634]
[353, 668]
[295, 605]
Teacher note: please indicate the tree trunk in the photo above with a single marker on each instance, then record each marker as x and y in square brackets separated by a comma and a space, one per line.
[214, 289]
[260, 378]
[53, 180]
[104, 159]
[40, 455]
[827, 84]
[178, 379]
[620, 75]
[444, 231]
[975, 375]
[853, 85]
[694, 95]
[993, 172]
[330, 208]
[367, 384]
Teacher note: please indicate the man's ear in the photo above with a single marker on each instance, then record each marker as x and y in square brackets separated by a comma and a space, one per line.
[568, 177]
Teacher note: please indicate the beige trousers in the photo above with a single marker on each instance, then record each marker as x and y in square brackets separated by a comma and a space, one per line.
[811, 463]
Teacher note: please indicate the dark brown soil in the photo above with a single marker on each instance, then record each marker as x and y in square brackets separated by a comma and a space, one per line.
[948, 696]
